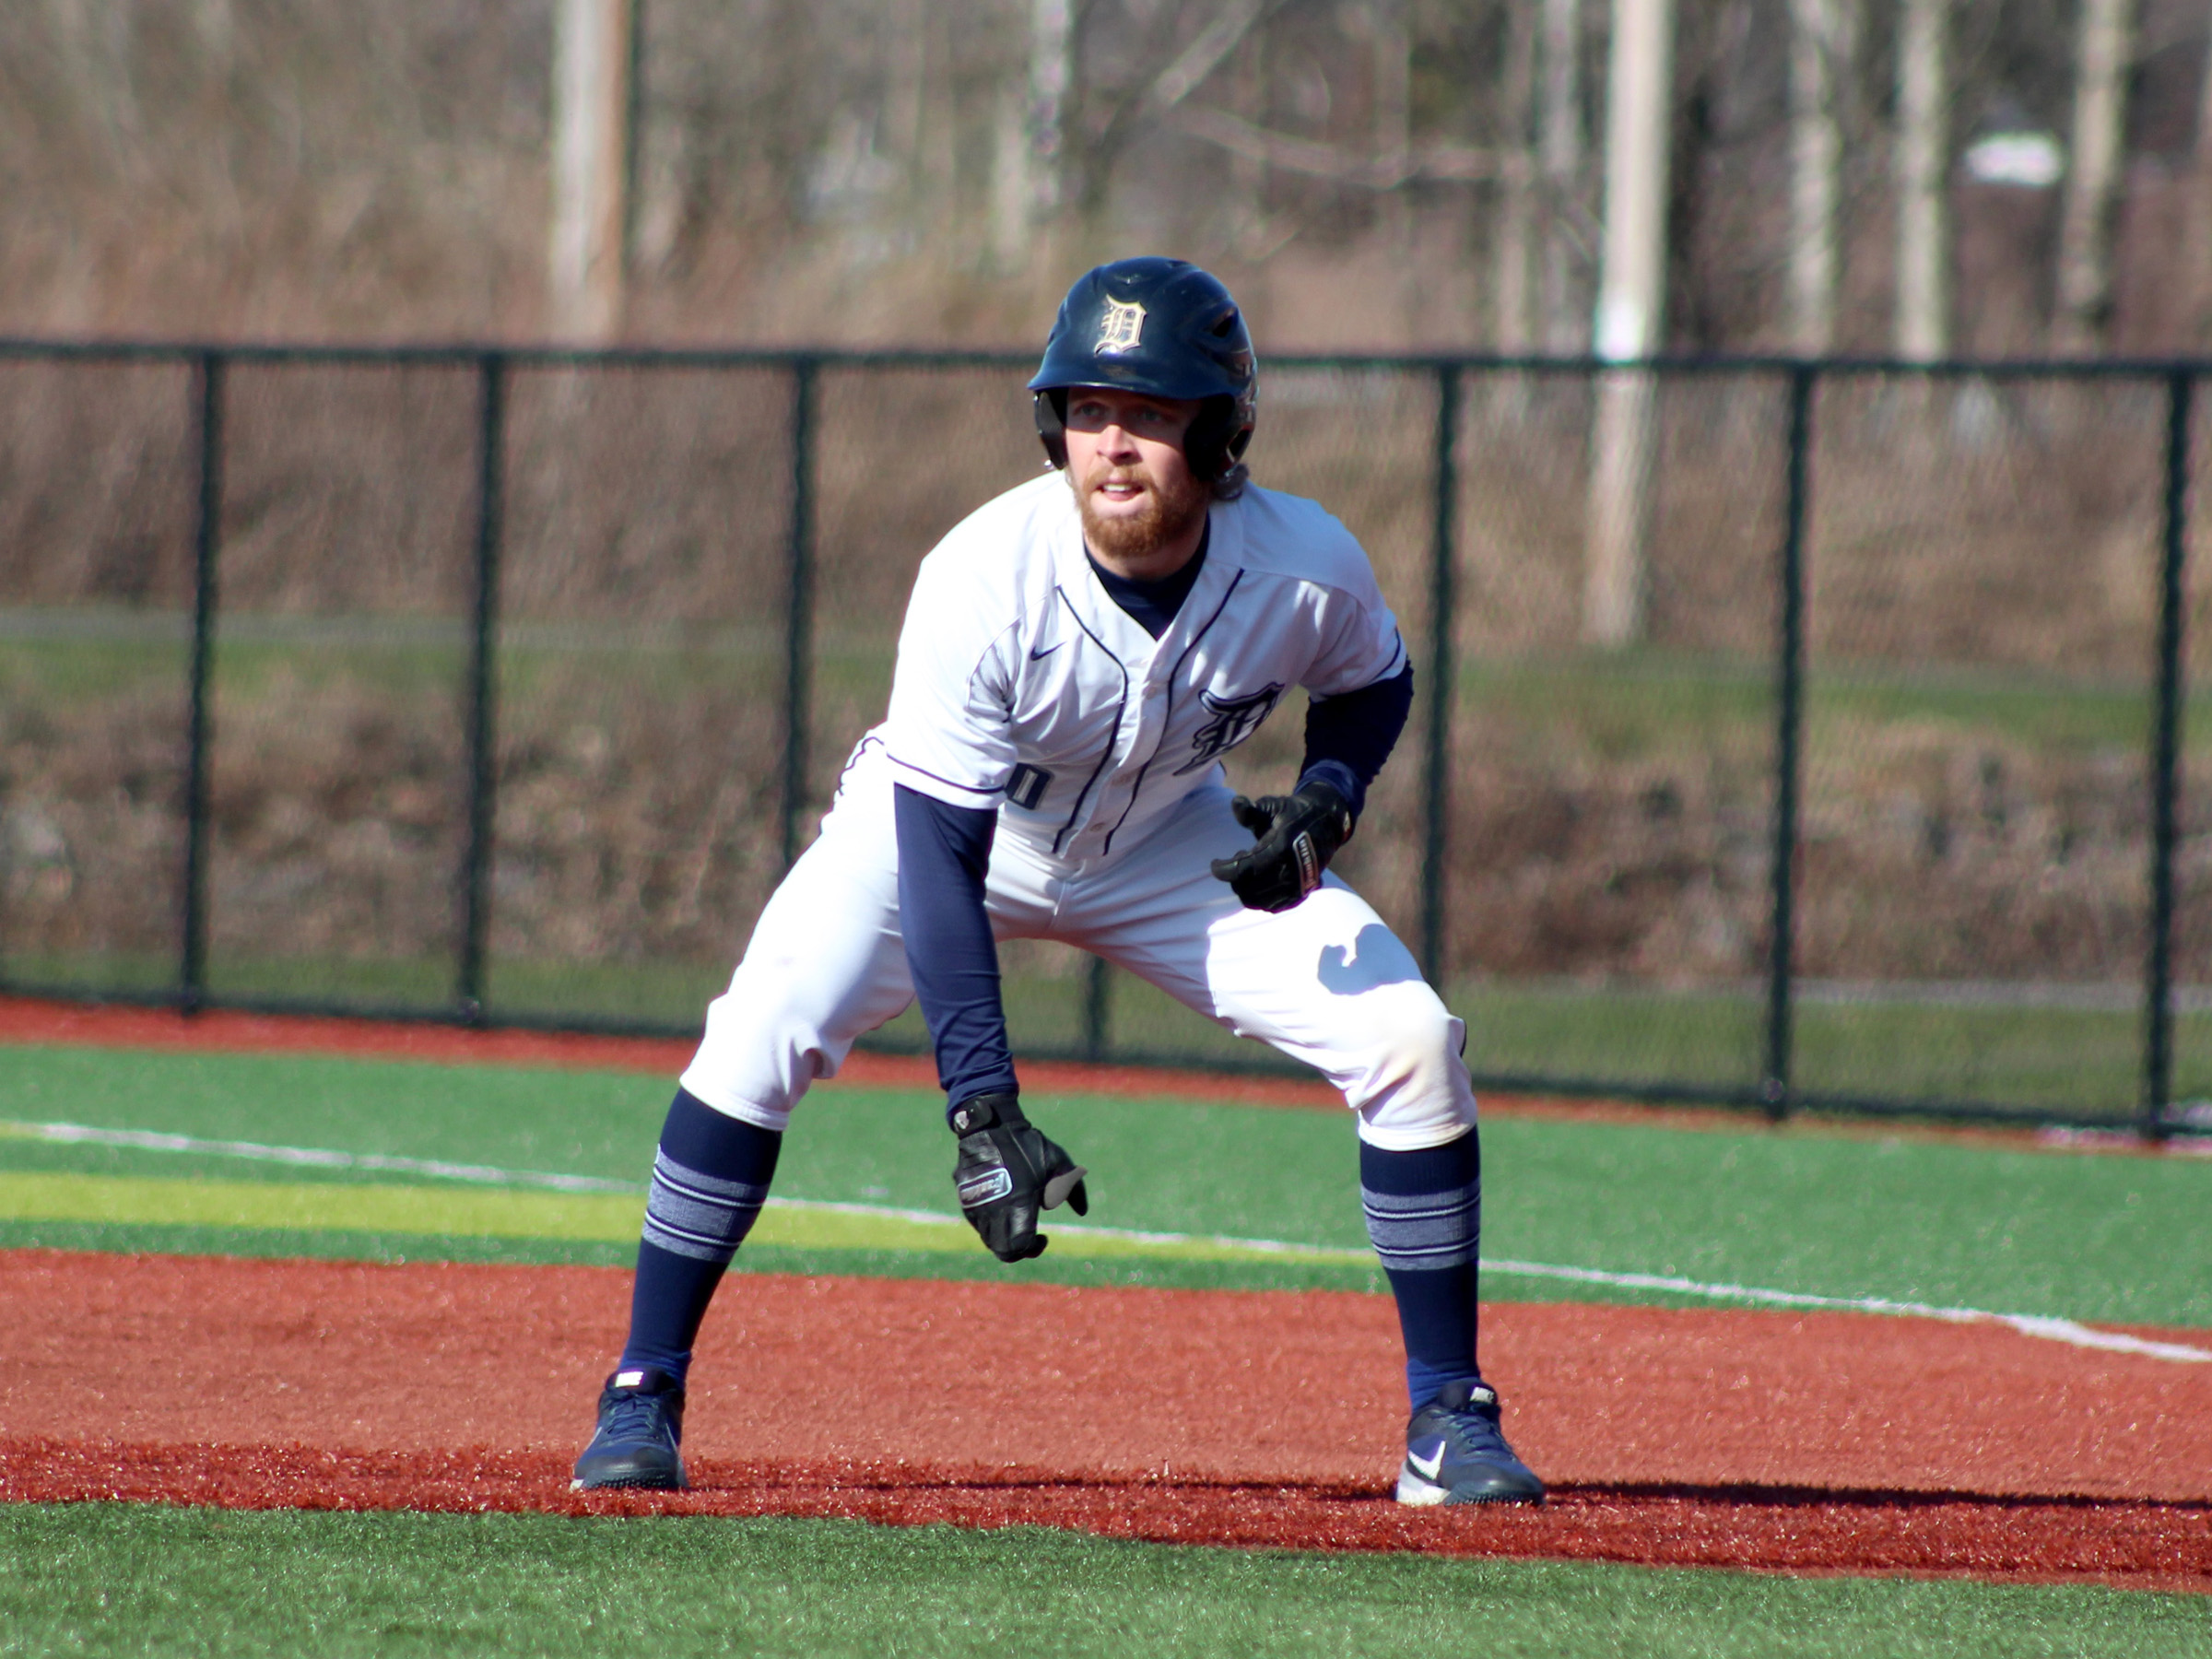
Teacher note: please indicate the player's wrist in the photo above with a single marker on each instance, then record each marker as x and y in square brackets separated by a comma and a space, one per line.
[1335, 785]
[994, 1109]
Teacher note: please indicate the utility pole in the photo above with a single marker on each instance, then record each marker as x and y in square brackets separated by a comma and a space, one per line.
[2085, 277]
[594, 65]
[1631, 316]
[1923, 324]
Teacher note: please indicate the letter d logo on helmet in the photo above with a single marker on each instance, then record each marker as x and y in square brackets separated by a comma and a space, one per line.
[1160, 326]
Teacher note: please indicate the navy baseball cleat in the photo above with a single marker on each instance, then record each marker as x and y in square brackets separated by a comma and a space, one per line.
[641, 1425]
[1455, 1452]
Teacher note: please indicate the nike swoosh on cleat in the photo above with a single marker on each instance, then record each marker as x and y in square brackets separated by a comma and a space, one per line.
[1427, 1465]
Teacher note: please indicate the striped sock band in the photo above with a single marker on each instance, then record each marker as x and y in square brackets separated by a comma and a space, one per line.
[1416, 1232]
[692, 1214]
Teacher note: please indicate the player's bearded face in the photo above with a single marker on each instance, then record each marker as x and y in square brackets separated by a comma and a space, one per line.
[1132, 486]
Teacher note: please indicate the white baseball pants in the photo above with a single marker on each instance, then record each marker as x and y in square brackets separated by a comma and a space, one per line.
[1327, 983]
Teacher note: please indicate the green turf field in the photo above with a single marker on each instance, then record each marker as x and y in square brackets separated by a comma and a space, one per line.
[1802, 1209]
[113, 1580]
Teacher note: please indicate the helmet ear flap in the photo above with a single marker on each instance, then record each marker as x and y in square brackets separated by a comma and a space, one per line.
[1216, 441]
[1050, 409]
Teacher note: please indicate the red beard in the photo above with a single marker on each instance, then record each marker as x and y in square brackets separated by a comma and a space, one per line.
[1132, 536]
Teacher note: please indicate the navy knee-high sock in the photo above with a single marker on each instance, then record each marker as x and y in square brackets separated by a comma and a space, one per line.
[1424, 1216]
[710, 1178]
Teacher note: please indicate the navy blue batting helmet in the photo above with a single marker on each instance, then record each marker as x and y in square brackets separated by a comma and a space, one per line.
[1160, 326]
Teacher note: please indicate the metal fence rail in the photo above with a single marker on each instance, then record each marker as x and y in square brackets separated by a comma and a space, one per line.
[532, 414]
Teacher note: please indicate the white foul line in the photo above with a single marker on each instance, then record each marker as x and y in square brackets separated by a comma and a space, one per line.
[2045, 1326]
[148, 1140]
[2029, 1324]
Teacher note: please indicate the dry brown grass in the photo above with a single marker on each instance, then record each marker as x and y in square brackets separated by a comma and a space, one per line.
[1602, 826]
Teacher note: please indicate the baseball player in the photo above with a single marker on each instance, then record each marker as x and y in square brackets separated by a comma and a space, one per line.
[1076, 658]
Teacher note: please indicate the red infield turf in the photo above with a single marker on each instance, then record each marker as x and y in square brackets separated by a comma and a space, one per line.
[1820, 1442]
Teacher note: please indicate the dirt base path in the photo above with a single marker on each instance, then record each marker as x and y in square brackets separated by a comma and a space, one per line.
[1807, 1443]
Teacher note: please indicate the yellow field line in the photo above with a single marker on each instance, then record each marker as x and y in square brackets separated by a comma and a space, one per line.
[476, 1212]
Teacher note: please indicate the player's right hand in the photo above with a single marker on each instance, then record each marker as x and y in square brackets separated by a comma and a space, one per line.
[1007, 1172]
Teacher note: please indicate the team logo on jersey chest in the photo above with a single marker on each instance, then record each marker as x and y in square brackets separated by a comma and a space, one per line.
[1234, 719]
[1120, 328]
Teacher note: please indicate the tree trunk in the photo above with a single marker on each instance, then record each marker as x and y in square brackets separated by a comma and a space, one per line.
[1013, 187]
[1392, 47]
[1923, 326]
[2198, 320]
[1631, 312]
[592, 72]
[2085, 277]
[1821, 42]
[1514, 248]
[1565, 319]
[1052, 74]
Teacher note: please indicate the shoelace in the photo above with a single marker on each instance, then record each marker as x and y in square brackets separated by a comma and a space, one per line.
[1477, 1433]
[636, 1415]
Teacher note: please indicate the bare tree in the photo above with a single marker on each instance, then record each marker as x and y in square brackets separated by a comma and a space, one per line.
[1013, 183]
[2199, 220]
[1390, 46]
[1565, 321]
[216, 24]
[1822, 45]
[1514, 248]
[1631, 312]
[2104, 47]
[1923, 325]
[1052, 74]
[589, 164]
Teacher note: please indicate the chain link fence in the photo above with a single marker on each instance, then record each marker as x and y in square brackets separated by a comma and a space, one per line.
[502, 687]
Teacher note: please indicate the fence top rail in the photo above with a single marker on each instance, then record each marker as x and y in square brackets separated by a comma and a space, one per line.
[458, 354]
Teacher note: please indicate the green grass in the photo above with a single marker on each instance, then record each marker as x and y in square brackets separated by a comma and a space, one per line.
[2077, 1065]
[1638, 703]
[1802, 1209]
[113, 1580]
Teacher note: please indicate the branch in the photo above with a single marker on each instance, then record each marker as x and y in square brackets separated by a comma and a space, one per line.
[1204, 56]
[1453, 163]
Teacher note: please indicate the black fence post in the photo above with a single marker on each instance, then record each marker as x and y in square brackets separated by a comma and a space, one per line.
[1095, 992]
[1443, 673]
[1789, 675]
[483, 758]
[207, 536]
[799, 616]
[2165, 780]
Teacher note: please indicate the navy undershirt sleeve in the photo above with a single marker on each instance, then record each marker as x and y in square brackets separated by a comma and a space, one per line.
[1348, 736]
[944, 853]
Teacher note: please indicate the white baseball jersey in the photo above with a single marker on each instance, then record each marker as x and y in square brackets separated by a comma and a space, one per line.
[1021, 683]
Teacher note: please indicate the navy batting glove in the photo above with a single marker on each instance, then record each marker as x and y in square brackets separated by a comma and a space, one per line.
[1297, 836]
[1007, 1172]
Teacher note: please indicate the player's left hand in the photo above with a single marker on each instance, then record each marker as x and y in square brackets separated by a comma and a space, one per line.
[1297, 836]
[1007, 1172]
